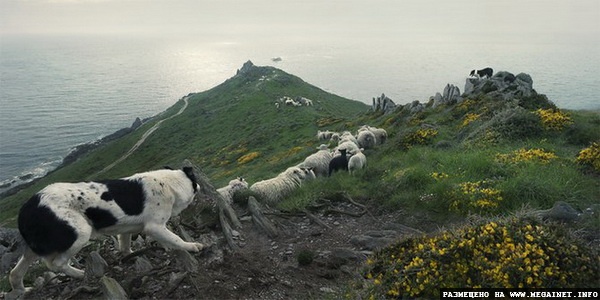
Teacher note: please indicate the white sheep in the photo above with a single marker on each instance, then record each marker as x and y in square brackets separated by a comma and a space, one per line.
[324, 135]
[366, 139]
[347, 136]
[274, 189]
[380, 134]
[304, 101]
[335, 138]
[289, 101]
[234, 185]
[357, 161]
[350, 147]
[319, 161]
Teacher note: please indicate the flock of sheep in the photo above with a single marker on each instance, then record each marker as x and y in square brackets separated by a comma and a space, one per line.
[299, 101]
[347, 155]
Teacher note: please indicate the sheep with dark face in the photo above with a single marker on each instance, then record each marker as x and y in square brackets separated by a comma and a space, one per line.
[274, 189]
[339, 162]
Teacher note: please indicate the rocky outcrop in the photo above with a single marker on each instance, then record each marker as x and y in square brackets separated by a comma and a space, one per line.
[502, 85]
[11, 248]
[246, 67]
[384, 104]
[414, 107]
[450, 95]
[82, 149]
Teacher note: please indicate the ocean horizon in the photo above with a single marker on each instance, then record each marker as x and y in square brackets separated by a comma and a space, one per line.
[57, 92]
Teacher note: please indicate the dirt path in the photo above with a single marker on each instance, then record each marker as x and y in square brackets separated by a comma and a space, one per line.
[263, 267]
[143, 138]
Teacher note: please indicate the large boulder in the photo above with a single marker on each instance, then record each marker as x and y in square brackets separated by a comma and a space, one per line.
[383, 103]
[503, 85]
[451, 94]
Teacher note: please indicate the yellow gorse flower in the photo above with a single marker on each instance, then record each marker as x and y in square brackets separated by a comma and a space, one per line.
[553, 119]
[512, 253]
[478, 195]
[248, 157]
[523, 154]
[590, 156]
[470, 118]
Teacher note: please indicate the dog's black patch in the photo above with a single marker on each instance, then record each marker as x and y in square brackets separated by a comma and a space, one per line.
[189, 172]
[128, 194]
[100, 217]
[42, 230]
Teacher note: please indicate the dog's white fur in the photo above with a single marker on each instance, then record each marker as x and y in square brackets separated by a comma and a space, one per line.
[165, 194]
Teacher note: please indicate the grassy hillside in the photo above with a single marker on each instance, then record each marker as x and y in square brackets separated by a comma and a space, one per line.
[442, 161]
[470, 174]
[231, 130]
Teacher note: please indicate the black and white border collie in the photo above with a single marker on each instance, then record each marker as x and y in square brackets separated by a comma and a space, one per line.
[60, 219]
[486, 72]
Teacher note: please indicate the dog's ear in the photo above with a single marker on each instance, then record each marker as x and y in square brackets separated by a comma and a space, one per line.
[189, 172]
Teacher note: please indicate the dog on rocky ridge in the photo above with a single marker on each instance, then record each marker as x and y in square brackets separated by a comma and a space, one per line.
[60, 219]
[485, 72]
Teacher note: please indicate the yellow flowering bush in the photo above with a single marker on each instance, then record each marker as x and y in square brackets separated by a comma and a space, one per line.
[327, 121]
[590, 156]
[419, 137]
[470, 118]
[291, 152]
[479, 196]
[511, 253]
[439, 175]
[248, 157]
[522, 154]
[553, 119]
[466, 105]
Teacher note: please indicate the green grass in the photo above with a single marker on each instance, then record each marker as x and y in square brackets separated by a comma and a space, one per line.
[445, 164]
[219, 126]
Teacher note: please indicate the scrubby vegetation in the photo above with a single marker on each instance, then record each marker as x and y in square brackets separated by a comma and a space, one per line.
[513, 252]
[476, 167]
[485, 160]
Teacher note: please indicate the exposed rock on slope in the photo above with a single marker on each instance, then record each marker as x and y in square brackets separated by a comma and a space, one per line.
[503, 85]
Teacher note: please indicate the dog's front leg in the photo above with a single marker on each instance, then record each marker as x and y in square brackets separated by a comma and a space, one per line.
[168, 239]
[124, 242]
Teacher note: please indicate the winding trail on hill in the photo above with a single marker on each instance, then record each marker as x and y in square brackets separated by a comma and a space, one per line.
[143, 138]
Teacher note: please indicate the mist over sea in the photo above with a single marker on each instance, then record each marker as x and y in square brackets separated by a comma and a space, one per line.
[60, 91]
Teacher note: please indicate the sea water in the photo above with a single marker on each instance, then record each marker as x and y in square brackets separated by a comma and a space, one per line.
[60, 91]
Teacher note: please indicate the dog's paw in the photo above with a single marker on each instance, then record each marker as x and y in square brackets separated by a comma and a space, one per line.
[17, 294]
[197, 247]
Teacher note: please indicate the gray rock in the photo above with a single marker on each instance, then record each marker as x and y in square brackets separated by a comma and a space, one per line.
[137, 123]
[451, 94]
[383, 103]
[503, 85]
[8, 260]
[373, 240]
[142, 265]
[561, 212]
[246, 67]
[187, 260]
[95, 265]
[111, 288]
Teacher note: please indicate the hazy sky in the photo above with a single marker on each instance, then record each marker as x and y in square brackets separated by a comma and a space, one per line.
[545, 20]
